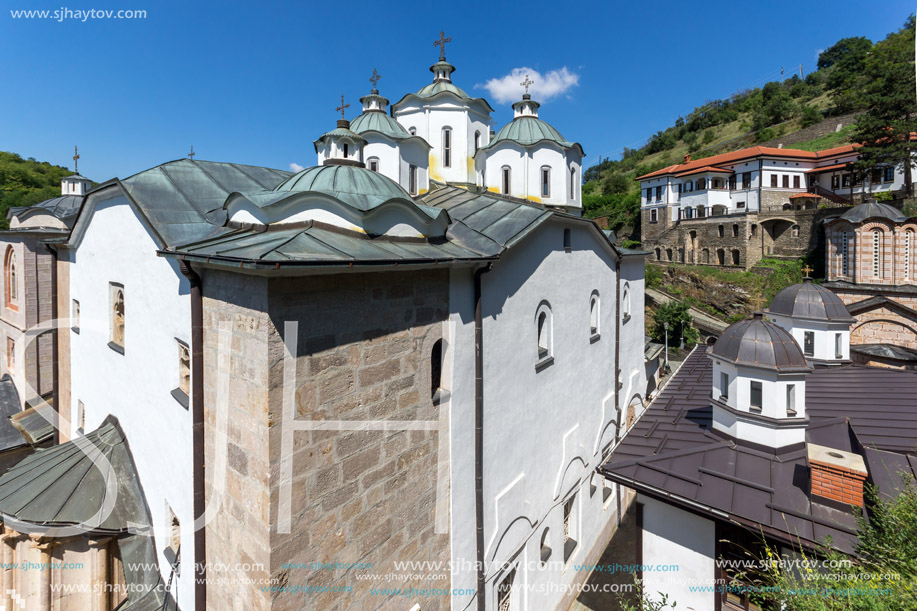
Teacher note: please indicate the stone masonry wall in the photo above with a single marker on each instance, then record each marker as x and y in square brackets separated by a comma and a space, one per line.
[882, 325]
[368, 497]
[239, 533]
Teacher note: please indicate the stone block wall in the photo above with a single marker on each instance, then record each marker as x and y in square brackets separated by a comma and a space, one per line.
[882, 325]
[358, 496]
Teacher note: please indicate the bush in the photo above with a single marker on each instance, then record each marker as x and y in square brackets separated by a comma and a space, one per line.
[810, 115]
[677, 314]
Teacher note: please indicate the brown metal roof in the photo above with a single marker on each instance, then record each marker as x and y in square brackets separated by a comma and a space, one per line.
[809, 300]
[672, 453]
[759, 343]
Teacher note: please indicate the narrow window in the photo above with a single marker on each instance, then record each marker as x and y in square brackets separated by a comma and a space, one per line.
[658, 194]
[755, 397]
[505, 592]
[786, 181]
[746, 180]
[546, 182]
[838, 346]
[795, 231]
[724, 385]
[790, 399]
[654, 215]
[11, 279]
[908, 238]
[721, 231]
[10, 354]
[374, 164]
[544, 341]
[808, 348]
[570, 534]
[736, 257]
[835, 182]
[796, 182]
[545, 546]
[412, 180]
[774, 181]
[732, 183]
[80, 417]
[735, 231]
[754, 229]
[658, 254]
[573, 184]
[877, 253]
[505, 173]
[75, 316]
[436, 367]
[116, 338]
[447, 147]
[184, 368]
[346, 150]
[174, 531]
[844, 254]
[594, 314]
[568, 245]
[845, 180]
[477, 141]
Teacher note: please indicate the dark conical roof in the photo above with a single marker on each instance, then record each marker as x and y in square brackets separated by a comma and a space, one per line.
[870, 210]
[759, 343]
[810, 300]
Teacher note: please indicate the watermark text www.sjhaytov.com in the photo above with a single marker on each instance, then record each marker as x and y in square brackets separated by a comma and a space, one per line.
[66, 14]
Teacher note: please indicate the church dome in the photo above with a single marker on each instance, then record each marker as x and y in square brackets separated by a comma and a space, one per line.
[873, 209]
[358, 187]
[374, 121]
[528, 131]
[809, 300]
[762, 344]
[442, 87]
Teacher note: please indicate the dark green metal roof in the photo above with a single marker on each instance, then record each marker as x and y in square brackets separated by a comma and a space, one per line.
[183, 199]
[33, 425]
[358, 187]
[64, 207]
[528, 131]
[376, 121]
[9, 406]
[870, 210]
[61, 486]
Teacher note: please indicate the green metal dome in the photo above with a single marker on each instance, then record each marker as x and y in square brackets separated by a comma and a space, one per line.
[440, 87]
[375, 121]
[358, 187]
[528, 131]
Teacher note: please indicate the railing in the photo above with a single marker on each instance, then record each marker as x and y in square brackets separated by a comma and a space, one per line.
[829, 195]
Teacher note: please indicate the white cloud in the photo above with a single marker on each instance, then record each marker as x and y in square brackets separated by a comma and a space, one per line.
[295, 167]
[546, 86]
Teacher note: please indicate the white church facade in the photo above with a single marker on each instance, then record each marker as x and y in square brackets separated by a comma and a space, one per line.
[383, 358]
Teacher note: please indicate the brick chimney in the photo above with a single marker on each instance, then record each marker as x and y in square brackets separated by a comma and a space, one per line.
[687, 158]
[836, 475]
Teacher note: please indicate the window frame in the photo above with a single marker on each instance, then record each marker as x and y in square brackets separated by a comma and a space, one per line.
[447, 147]
[506, 180]
[755, 388]
[75, 316]
[113, 289]
[11, 279]
[544, 336]
[545, 181]
[412, 179]
[808, 343]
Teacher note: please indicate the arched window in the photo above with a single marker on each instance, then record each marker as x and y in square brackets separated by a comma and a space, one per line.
[572, 184]
[668, 254]
[795, 229]
[412, 180]
[505, 179]
[413, 131]
[447, 147]
[117, 317]
[543, 328]
[658, 254]
[877, 253]
[908, 249]
[11, 273]
[436, 367]
[545, 181]
[346, 150]
[594, 314]
[844, 253]
[545, 547]
[625, 302]
[477, 141]
[373, 164]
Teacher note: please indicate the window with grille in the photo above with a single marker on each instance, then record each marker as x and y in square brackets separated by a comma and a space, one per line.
[844, 254]
[888, 174]
[877, 253]
[808, 343]
[908, 238]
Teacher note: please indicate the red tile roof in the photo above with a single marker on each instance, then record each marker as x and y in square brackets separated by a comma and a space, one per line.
[799, 195]
[706, 168]
[828, 168]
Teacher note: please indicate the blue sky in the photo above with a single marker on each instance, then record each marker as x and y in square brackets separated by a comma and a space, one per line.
[258, 82]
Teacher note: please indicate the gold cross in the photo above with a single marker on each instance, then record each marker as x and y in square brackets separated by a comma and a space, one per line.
[526, 83]
[441, 43]
[374, 79]
[343, 106]
[757, 302]
[76, 159]
[192, 153]
[807, 270]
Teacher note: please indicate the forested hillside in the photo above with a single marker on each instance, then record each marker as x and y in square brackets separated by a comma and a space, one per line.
[866, 88]
[26, 182]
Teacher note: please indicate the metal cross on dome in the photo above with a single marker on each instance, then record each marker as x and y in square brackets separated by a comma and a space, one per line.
[343, 106]
[374, 79]
[441, 43]
[807, 270]
[526, 83]
[191, 154]
[76, 159]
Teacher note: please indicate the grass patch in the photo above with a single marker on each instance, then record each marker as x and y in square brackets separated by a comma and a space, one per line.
[828, 140]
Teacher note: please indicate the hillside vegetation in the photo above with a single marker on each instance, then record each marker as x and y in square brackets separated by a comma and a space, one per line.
[800, 112]
[26, 182]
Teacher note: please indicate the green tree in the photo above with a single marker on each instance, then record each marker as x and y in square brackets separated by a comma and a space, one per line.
[843, 50]
[810, 115]
[777, 106]
[709, 136]
[678, 315]
[888, 91]
[617, 183]
[844, 63]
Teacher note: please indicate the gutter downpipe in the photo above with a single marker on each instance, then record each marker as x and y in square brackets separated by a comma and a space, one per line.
[55, 337]
[197, 431]
[479, 434]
